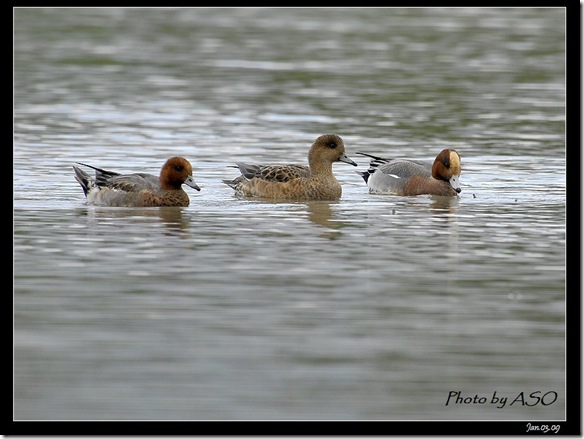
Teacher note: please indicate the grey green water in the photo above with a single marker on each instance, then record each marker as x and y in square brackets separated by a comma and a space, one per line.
[369, 308]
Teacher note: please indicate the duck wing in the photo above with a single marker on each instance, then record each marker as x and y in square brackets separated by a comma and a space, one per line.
[401, 168]
[279, 173]
[134, 182]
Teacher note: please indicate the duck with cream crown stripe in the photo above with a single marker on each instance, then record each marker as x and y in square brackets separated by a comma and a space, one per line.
[414, 177]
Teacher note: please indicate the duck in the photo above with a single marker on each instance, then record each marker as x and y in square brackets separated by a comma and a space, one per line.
[110, 188]
[295, 181]
[414, 177]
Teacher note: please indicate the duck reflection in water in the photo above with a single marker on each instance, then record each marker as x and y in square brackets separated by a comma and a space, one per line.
[441, 204]
[175, 219]
[320, 213]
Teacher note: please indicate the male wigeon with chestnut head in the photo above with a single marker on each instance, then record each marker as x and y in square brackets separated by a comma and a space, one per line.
[110, 188]
[414, 177]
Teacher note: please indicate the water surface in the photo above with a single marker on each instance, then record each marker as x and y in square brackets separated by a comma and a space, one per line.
[372, 307]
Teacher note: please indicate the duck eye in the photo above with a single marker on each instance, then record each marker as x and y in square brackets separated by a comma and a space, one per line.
[332, 145]
[178, 168]
[446, 163]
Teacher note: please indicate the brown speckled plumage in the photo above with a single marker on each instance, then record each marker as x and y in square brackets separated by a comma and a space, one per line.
[313, 182]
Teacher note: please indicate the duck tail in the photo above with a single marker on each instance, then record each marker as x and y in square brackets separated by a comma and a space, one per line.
[231, 183]
[83, 179]
[374, 157]
[375, 162]
[364, 174]
[234, 184]
[101, 175]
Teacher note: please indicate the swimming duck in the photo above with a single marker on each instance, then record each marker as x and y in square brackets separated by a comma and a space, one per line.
[313, 182]
[110, 188]
[414, 177]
